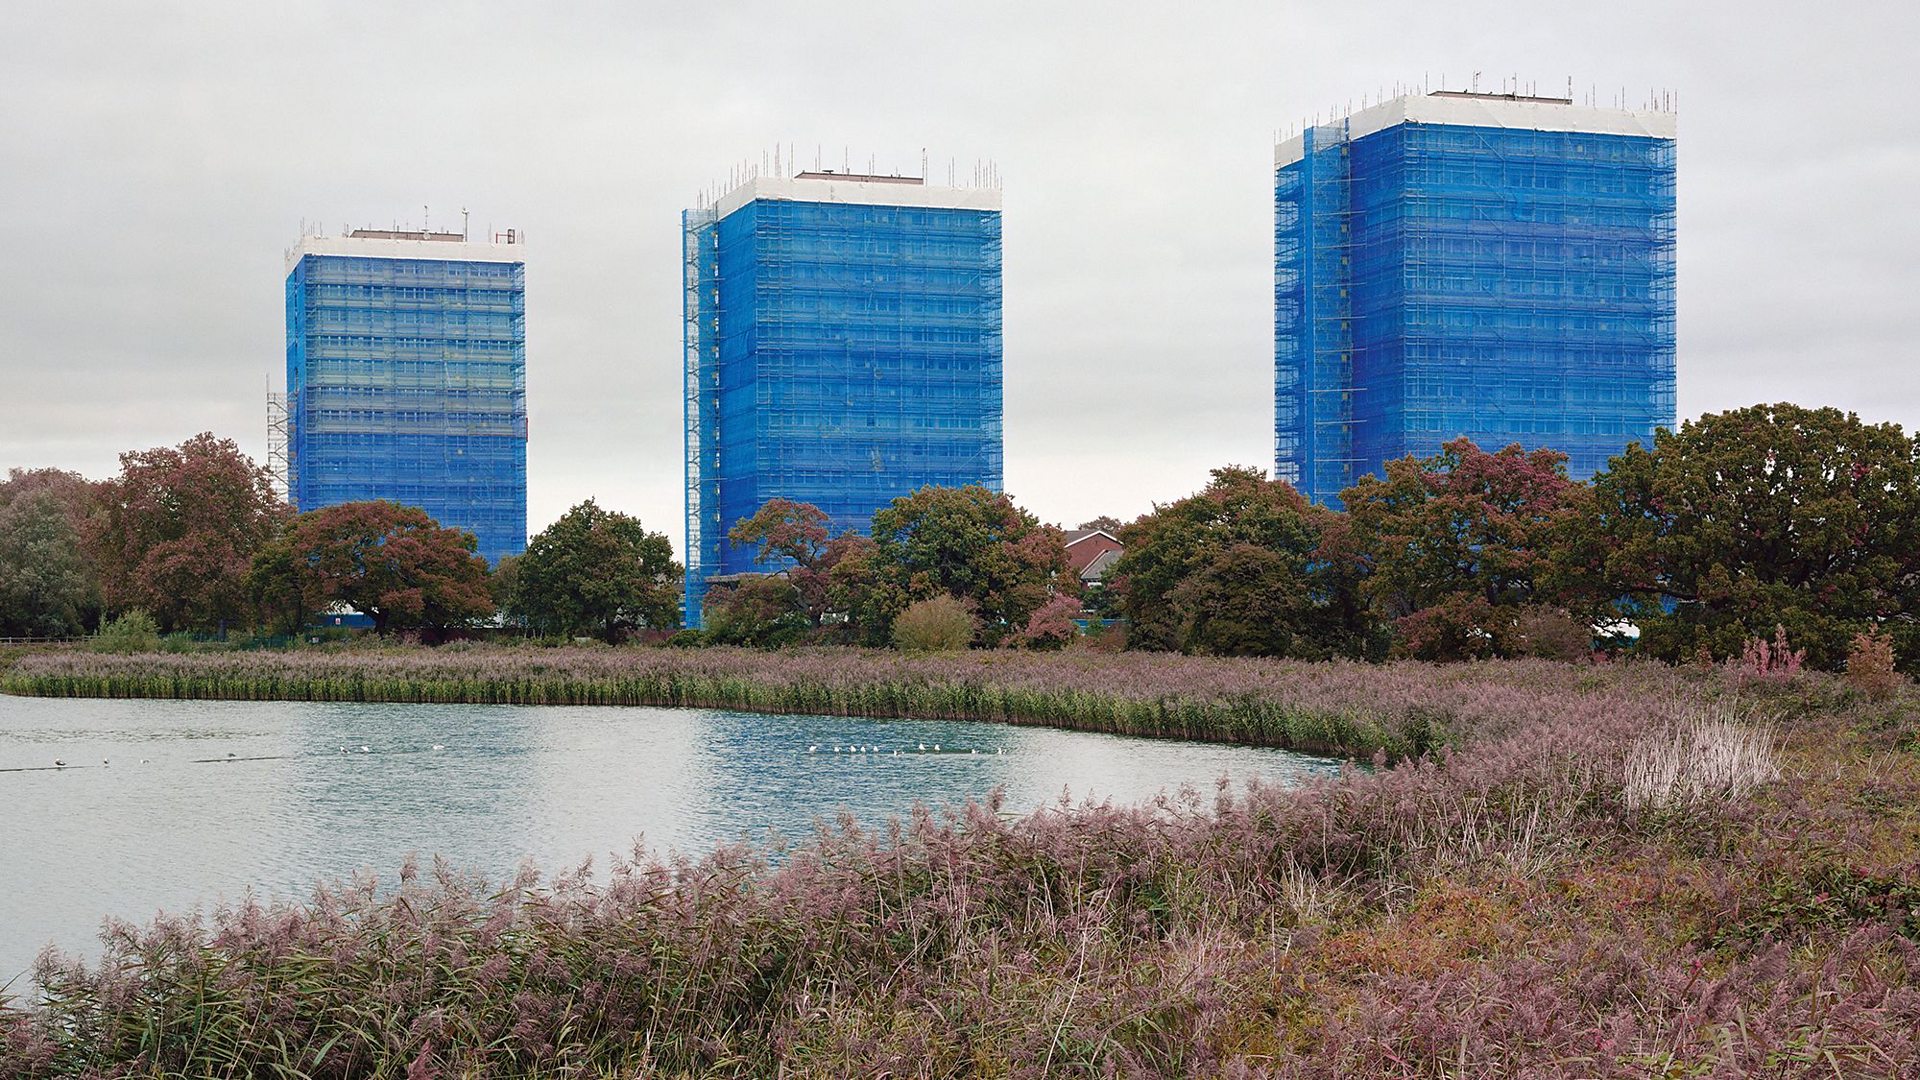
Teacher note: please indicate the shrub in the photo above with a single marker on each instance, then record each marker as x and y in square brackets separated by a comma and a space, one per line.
[1551, 634]
[1870, 665]
[688, 639]
[132, 631]
[936, 624]
[1052, 625]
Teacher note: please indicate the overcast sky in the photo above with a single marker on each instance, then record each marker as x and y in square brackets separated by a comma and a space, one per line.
[156, 160]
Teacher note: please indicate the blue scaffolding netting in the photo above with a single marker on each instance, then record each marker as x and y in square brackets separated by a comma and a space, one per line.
[406, 381]
[1438, 280]
[837, 354]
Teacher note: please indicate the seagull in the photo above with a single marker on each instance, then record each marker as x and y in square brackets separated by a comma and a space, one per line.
[439, 746]
[1002, 752]
[936, 748]
[143, 761]
[923, 748]
[814, 748]
[59, 763]
[973, 751]
[366, 750]
[896, 753]
[105, 762]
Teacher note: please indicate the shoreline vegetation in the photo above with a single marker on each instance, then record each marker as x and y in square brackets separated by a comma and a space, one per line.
[1345, 709]
[1610, 871]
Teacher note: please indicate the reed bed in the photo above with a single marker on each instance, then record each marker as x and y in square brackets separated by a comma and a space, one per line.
[1511, 909]
[1336, 708]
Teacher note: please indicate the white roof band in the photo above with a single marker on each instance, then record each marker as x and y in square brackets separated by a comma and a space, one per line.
[1496, 113]
[857, 193]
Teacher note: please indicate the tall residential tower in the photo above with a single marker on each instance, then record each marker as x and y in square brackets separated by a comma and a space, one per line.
[842, 349]
[406, 378]
[1496, 266]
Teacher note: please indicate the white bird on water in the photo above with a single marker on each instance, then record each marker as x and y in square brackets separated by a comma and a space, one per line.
[923, 748]
[439, 746]
[814, 748]
[366, 750]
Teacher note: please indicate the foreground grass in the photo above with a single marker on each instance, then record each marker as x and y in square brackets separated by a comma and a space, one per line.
[1338, 708]
[1707, 885]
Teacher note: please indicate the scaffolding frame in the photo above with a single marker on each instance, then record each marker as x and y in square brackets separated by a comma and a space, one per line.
[406, 381]
[1512, 285]
[839, 354]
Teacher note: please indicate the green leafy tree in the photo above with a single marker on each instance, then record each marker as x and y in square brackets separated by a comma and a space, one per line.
[970, 543]
[1757, 518]
[393, 564]
[597, 572]
[1455, 547]
[1240, 568]
[175, 533]
[276, 586]
[48, 585]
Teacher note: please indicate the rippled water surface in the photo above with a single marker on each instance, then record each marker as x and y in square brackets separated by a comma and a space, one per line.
[169, 805]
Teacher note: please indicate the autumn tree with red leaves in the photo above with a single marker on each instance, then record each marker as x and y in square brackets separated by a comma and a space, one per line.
[1457, 547]
[392, 563]
[176, 532]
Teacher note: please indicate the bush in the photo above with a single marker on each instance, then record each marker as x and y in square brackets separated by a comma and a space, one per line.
[133, 631]
[1870, 665]
[689, 639]
[1551, 634]
[1052, 625]
[937, 624]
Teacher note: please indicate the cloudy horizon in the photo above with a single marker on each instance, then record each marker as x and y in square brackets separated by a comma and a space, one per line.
[160, 161]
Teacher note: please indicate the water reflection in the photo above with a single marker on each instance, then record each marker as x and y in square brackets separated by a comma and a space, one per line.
[169, 805]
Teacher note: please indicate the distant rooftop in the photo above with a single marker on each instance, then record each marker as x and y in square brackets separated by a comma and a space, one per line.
[504, 246]
[410, 234]
[1473, 108]
[1489, 95]
[861, 178]
[863, 189]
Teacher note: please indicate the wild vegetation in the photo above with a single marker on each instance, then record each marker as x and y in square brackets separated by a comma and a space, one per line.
[1344, 708]
[1624, 872]
[1735, 526]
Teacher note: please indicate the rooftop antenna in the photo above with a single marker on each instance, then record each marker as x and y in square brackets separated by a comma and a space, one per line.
[463, 224]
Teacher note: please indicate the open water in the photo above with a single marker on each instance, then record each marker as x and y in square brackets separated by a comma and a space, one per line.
[173, 805]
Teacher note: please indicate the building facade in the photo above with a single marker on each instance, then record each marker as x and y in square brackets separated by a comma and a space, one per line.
[842, 349]
[406, 378]
[1454, 264]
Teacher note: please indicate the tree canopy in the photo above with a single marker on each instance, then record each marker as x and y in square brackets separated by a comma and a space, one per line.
[970, 543]
[49, 586]
[1763, 517]
[598, 572]
[175, 533]
[392, 563]
[1454, 547]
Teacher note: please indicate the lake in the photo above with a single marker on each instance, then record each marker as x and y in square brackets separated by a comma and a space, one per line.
[169, 805]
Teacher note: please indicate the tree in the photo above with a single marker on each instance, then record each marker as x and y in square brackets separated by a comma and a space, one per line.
[598, 572]
[1772, 515]
[970, 543]
[48, 586]
[1106, 523]
[1238, 569]
[1456, 546]
[176, 532]
[794, 536]
[392, 563]
[761, 610]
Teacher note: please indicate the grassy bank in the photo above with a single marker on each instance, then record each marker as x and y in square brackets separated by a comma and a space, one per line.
[1712, 883]
[1341, 708]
